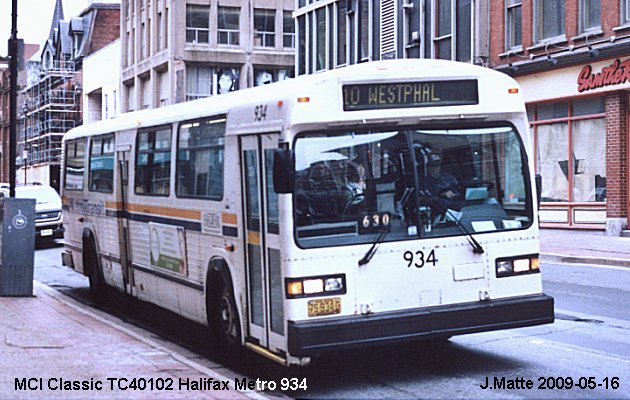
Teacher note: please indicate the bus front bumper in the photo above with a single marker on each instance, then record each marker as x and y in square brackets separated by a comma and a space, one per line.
[312, 337]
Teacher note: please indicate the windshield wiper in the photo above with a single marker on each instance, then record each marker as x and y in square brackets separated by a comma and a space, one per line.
[384, 231]
[477, 248]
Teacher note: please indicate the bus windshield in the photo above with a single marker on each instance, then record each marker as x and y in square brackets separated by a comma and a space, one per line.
[352, 186]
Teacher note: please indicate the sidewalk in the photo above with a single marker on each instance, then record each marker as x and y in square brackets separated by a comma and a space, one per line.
[584, 247]
[53, 348]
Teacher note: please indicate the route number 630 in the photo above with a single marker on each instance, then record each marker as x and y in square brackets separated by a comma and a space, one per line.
[419, 259]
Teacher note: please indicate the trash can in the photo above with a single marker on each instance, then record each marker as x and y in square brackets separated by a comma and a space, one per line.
[17, 246]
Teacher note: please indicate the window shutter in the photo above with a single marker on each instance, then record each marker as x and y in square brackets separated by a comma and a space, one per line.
[388, 29]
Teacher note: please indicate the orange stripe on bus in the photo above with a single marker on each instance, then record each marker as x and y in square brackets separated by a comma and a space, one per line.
[253, 237]
[164, 211]
[229, 219]
[115, 205]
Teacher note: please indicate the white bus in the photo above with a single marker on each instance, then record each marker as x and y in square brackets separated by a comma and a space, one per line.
[311, 215]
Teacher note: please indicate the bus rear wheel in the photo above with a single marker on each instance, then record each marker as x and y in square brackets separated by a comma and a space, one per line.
[223, 317]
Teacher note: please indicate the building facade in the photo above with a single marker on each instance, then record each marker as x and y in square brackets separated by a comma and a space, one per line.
[101, 84]
[336, 33]
[572, 60]
[176, 50]
[25, 51]
[53, 92]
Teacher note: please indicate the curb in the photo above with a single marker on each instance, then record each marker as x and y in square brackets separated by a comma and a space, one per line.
[568, 259]
[58, 296]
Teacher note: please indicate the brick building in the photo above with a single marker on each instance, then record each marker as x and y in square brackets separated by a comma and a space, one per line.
[24, 52]
[175, 50]
[53, 92]
[572, 59]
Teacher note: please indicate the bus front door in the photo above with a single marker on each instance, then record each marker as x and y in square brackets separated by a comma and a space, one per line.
[123, 217]
[265, 322]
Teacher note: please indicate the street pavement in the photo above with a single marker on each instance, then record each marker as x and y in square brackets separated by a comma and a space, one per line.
[583, 247]
[53, 347]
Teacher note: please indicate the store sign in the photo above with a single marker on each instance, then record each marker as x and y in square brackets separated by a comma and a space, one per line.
[614, 74]
[374, 96]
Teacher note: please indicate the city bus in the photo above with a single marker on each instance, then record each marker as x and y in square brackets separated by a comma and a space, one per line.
[308, 216]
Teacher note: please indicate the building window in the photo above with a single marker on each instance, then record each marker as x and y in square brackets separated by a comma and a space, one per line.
[131, 97]
[288, 30]
[265, 76]
[625, 12]
[205, 81]
[452, 33]
[153, 162]
[590, 15]
[145, 84]
[320, 56]
[200, 159]
[197, 24]
[548, 19]
[570, 147]
[342, 46]
[101, 175]
[301, 64]
[160, 32]
[198, 82]
[264, 27]
[143, 42]
[228, 25]
[164, 88]
[364, 30]
[444, 33]
[514, 24]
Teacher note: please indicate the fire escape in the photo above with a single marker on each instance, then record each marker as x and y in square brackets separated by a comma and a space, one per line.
[52, 106]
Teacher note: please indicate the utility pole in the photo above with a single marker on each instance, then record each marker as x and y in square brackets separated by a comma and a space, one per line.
[13, 71]
[17, 230]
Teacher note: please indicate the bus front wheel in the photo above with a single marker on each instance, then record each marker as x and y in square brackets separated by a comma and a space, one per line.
[223, 315]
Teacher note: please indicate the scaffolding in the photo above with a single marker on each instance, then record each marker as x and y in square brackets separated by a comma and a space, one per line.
[52, 106]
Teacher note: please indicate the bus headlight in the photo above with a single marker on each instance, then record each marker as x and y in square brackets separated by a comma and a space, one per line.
[519, 265]
[315, 286]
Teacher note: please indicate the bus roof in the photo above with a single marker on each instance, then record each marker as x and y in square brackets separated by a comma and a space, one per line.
[290, 90]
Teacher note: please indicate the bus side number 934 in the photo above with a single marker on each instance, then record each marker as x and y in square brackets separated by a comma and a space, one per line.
[419, 259]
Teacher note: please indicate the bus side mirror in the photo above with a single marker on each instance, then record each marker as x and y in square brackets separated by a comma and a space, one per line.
[283, 176]
[538, 187]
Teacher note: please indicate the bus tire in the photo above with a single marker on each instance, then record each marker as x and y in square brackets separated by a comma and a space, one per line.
[93, 270]
[223, 320]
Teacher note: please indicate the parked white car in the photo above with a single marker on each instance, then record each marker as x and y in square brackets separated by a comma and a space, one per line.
[48, 223]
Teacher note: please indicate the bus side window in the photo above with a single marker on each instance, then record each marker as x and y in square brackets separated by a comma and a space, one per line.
[101, 172]
[153, 161]
[200, 158]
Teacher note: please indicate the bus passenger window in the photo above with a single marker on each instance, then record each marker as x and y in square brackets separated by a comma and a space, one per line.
[153, 162]
[101, 175]
[200, 158]
[74, 165]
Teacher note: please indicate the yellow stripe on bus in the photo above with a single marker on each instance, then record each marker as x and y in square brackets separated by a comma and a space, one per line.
[253, 237]
[165, 211]
[229, 219]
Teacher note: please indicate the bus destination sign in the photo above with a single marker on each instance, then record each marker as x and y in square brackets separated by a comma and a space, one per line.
[374, 96]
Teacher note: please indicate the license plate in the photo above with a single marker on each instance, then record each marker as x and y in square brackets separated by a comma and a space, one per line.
[324, 306]
[47, 232]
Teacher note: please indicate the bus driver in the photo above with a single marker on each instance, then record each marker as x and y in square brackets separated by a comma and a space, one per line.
[441, 184]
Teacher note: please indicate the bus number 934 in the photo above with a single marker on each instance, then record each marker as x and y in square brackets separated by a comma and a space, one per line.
[419, 259]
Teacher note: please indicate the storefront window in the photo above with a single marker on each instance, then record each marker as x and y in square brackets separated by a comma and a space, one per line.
[589, 147]
[552, 152]
[570, 140]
